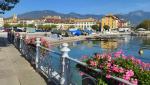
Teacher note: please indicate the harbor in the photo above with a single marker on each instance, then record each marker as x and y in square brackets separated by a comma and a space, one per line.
[66, 42]
[47, 61]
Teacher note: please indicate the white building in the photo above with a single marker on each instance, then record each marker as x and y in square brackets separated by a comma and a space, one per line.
[1, 22]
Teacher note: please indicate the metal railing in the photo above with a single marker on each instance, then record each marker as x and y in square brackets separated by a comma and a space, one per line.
[58, 66]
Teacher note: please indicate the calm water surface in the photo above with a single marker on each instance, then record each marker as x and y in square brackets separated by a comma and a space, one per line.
[130, 46]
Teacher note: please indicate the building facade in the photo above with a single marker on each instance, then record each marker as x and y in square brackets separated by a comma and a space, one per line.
[12, 21]
[1, 22]
[85, 23]
[113, 22]
[66, 23]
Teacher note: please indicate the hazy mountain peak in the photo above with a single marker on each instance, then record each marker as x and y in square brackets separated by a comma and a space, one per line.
[137, 13]
[134, 17]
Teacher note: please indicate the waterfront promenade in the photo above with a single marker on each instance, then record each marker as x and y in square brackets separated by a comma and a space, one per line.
[14, 69]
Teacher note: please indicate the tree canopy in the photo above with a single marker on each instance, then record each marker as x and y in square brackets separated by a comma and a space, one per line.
[6, 5]
[106, 27]
[95, 27]
[46, 27]
[145, 24]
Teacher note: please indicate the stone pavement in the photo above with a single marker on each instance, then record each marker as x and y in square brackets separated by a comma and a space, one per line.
[14, 69]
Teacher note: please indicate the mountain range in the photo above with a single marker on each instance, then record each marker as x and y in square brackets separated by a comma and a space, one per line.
[134, 17]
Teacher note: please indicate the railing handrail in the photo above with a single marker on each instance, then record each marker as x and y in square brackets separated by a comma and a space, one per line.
[98, 70]
[84, 64]
[51, 50]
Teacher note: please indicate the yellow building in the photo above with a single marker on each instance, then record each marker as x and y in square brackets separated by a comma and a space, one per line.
[111, 21]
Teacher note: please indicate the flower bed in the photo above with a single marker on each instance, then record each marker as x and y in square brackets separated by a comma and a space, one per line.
[31, 41]
[119, 65]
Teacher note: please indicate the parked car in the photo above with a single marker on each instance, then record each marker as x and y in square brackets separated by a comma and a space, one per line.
[6, 30]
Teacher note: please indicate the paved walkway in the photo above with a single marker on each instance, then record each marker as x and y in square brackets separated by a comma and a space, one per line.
[14, 69]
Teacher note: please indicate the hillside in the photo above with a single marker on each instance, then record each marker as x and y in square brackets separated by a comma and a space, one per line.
[134, 17]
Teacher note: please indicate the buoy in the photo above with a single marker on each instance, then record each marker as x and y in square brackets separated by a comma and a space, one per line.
[141, 51]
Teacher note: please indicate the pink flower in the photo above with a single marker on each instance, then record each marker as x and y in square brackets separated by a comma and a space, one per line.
[85, 57]
[108, 65]
[118, 54]
[138, 61]
[108, 76]
[126, 77]
[129, 73]
[32, 40]
[17, 34]
[109, 57]
[121, 70]
[100, 66]
[81, 73]
[135, 81]
[115, 68]
[132, 58]
[93, 63]
[97, 56]
[143, 65]
[103, 56]
[124, 57]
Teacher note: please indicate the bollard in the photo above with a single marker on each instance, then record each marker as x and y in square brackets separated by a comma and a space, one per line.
[65, 50]
[20, 44]
[37, 52]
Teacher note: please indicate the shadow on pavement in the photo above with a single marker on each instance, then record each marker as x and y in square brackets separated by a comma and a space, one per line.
[3, 42]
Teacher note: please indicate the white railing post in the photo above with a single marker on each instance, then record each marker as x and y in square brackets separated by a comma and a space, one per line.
[20, 44]
[65, 51]
[37, 52]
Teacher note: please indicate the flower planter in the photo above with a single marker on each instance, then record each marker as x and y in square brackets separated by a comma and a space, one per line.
[93, 77]
[88, 70]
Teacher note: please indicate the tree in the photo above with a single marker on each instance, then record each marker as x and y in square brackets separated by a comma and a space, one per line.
[106, 27]
[145, 24]
[46, 27]
[19, 25]
[72, 26]
[95, 27]
[6, 5]
[31, 25]
[53, 26]
[6, 25]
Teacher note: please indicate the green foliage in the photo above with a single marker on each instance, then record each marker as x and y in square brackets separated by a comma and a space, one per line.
[101, 82]
[31, 25]
[143, 76]
[71, 26]
[46, 27]
[95, 27]
[125, 67]
[145, 24]
[7, 25]
[6, 5]
[53, 26]
[106, 27]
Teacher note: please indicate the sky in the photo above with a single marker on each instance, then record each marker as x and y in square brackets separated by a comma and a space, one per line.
[81, 6]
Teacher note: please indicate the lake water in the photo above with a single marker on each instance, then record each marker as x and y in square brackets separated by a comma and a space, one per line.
[130, 46]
